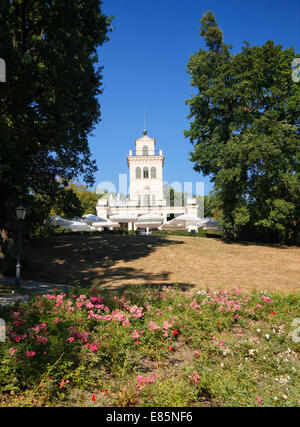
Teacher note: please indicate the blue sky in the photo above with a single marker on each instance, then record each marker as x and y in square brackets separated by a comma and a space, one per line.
[145, 71]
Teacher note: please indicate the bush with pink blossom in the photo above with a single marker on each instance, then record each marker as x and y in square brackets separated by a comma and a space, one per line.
[144, 346]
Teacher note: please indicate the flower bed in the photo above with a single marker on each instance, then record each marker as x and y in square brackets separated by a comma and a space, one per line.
[151, 347]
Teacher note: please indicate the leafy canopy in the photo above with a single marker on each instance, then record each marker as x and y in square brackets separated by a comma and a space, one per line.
[50, 103]
[245, 133]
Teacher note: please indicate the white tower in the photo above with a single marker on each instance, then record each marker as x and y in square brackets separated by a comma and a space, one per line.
[145, 173]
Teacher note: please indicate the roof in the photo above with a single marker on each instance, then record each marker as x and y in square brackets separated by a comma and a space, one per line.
[145, 138]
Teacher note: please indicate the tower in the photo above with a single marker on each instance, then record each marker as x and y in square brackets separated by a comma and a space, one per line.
[146, 173]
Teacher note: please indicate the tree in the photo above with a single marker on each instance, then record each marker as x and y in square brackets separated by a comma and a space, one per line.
[210, 206]
[49, 104]
[67, 204]
[245, 134]
[174, 198]
[88, 198]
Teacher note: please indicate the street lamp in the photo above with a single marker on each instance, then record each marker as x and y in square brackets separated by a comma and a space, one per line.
[20, 212]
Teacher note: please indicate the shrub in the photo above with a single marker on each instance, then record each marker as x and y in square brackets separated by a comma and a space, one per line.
[150, 347]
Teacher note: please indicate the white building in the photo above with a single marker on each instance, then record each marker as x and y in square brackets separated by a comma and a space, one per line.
[145, 165]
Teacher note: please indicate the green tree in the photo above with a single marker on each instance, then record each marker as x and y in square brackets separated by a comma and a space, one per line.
[88, 198]
[210, 206]
[67, 204]
[174, 198]
[245, 134]
[50, 104]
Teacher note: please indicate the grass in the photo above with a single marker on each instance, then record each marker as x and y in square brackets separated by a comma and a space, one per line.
[151, 346]
[118, 261]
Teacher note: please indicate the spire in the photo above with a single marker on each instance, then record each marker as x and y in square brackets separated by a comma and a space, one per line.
[144, 131]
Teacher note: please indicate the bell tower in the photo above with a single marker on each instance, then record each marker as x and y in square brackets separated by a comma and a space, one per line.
[145, 165]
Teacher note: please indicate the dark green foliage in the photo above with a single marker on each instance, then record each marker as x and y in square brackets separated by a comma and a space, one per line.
[49, 105]
[245, 135]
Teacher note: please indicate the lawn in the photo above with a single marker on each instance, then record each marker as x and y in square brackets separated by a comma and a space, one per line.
[118, 261]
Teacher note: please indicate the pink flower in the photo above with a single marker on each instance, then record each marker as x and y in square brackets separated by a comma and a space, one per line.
[135, 335]
[94, 346]
[194, 378]
[62, 383]
[258, 399]
[195, 305]
[17, 315]
[126, 322]
[167, 325]
[30, 353]
[12, 350]
[266, 299]
[153, 326]
[71, 339]
[141, 381]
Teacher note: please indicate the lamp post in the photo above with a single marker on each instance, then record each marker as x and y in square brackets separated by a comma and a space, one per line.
[20, 212]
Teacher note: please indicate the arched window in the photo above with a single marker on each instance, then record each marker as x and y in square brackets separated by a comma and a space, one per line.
[146, 173]
[153, 172]
[145, 150]
[138, 173]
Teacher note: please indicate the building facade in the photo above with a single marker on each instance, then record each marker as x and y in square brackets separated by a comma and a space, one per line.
[146, 193]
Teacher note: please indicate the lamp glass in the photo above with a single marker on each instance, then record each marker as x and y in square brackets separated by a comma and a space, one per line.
[21, 212]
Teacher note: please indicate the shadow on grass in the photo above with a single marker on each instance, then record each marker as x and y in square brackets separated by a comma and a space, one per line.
[245, 243]
[92, 259]
[219, 236]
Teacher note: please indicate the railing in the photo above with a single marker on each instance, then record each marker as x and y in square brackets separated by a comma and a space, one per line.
[145, 153]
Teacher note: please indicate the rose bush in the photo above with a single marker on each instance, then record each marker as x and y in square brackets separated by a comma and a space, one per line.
[150, 346]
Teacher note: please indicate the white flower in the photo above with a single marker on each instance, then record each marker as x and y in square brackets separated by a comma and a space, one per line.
[284, 379]
[267, 336]
[258, 330]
